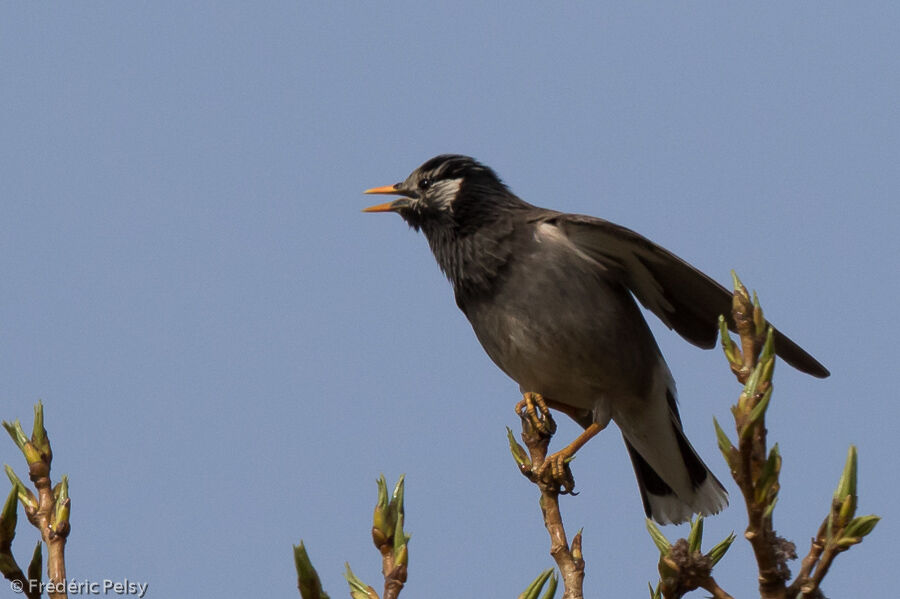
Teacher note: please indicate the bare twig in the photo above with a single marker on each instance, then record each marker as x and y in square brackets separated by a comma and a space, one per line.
[710, 585]
[816, 547]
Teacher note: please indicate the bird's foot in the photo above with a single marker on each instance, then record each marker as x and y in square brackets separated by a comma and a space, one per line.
[555, 472]
[535, 415]
[538, 426]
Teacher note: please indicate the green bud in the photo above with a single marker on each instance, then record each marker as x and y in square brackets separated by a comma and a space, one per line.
[739, 289]
[725, 445]
[38, 433]
[847, 483]
[8, 565]
[768, 476]
[15, 431]
[61, 516]
[517, 451]
[861, 526]
[379, 534]
[695, 538]
[383, 517]
[551, 587]
[307, 578]
[32, 454]
[9, 516]
[759, 320]
[757, 376]
[533, 589]
[576, 546]
[757, 414]
[358, 589]
[847, 509]
[61, 507]
[847, 542]
[659, 539]
[720, 549]
[397, 497]
[770, 508]
[768, 348]
[61, 490]
[401, 555]
[382, 500]
[400, 539]
[749, 390]
[732, 353]
[35, 565]
[29, 501]
[767, 363]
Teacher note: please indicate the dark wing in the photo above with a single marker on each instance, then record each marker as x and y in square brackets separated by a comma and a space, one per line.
[681, 296]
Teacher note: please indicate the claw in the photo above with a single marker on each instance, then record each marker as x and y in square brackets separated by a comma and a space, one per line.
[555, 471]
[534, 411]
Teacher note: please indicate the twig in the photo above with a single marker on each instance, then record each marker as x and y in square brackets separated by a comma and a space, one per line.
[753, 467]
[390, 539]
[816, 547]
[49, 511]
[536, 435]
[710, 585]
[756, 469]
[683, 567]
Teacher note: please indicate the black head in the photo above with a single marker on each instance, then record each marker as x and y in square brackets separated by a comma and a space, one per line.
[466, 214]
[444, 191]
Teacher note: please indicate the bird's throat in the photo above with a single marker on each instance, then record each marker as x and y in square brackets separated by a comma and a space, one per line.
[470, 261]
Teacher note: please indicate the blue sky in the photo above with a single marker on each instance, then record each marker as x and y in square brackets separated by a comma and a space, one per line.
[230, 353]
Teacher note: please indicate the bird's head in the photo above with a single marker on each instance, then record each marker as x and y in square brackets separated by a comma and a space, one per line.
[443, 192]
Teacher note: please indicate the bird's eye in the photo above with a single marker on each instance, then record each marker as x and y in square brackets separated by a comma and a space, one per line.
[424, 184]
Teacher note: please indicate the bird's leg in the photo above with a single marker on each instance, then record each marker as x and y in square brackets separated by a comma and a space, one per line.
[534, 410]
[556, 467]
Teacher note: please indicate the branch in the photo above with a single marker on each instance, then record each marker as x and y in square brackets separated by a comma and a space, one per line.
[8, 565]
[391, 541]
[683, 567]
[537, 429]
[49, 510]
[756, 469]
[840, 530]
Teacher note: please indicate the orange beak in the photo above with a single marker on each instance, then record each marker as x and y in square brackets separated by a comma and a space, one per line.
[387, 206]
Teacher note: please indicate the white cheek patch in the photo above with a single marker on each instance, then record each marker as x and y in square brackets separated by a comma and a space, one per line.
[443, 193]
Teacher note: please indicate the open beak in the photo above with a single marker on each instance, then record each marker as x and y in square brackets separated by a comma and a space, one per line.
[387, 206]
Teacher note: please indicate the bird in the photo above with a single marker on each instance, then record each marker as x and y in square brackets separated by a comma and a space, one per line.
[553, 300]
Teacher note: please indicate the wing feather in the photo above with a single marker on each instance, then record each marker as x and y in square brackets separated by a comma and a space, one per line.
[684, 298]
